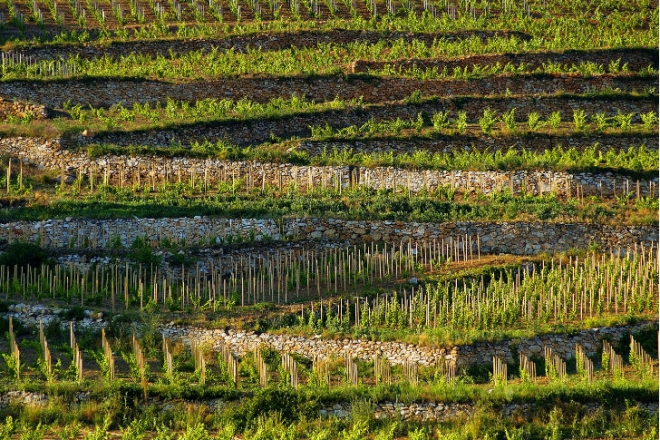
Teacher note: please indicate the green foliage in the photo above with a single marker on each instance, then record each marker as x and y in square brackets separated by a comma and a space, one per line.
[649, 120]
[440, 120]
[461, 121]
[534, 121]
[579, 119]
[25, 254]
[509, 120]
[624, 120]
[554, 120]
[488, 121]
[142, 253]
[601, 121]
[415, 98]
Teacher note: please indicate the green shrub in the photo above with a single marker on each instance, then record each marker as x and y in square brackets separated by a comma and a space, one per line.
[554, 120]
[25, 254]
[509, 120]
[414, 98]
[142, 253]
[580, 119]
[440, 120]
[534, 121]
[488, 121]
[461, 121]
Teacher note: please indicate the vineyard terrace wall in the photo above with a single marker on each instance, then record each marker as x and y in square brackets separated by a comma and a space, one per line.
[398, 353]
[520, 238]
[124, 170]
[107, 92]
[423, 411]
[259, 130]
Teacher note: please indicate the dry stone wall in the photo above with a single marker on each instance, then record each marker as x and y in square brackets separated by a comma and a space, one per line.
[107, 92]
[48, 155]
[422, 411]
[497, 237]
[399, 353]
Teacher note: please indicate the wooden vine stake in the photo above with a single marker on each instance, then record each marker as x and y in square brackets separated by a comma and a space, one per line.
[72, 336]
[555, 367]
[351, 370]
[167, 355]
[639, 359]
[583, 365]
[500, 371]
[382, 371]
[78, 362]
[48, 361]
[77, 355]
[232, 364]
[200, 363]
[448, 370]
[322, 370]
[289, 364]
[612, 361]
[15, 352]
[527, 369]
[107, 352]
[9, 176]
[411, 372]
[139, 359]
[262, 367]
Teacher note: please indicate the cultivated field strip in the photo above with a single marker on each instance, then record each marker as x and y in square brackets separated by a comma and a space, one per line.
[135, 13]
[108, 92]
[258, 130]
[473, 142]
[278, 41]
[635, 59]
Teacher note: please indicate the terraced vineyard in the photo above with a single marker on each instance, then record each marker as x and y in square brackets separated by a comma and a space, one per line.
[329, 219]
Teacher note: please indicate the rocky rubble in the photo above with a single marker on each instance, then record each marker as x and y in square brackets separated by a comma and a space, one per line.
[33, 314]
[21, 109]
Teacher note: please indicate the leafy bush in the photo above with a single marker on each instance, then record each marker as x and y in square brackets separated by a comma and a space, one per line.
[440, 120]
[509, 120]
[487, 122]
[142, 253]
[25, 254]
[75, 313]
